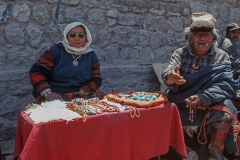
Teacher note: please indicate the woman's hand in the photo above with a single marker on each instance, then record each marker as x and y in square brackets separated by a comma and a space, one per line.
[50, 96]
[174, 77]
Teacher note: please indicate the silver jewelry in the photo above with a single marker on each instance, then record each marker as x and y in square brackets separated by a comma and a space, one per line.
[45, 91]
[80, 90]
[75, 61]
[45, 95]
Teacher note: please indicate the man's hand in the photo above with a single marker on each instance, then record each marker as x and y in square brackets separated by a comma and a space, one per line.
[174, 77]
[193, 101]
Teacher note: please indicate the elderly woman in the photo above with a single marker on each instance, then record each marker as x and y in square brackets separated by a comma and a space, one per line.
[68, 69]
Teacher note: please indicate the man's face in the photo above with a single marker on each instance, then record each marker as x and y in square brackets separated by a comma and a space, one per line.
[234, 34]
[201, 42]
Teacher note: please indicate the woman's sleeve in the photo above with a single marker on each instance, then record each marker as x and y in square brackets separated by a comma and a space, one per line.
[96, 81]
[41, 71]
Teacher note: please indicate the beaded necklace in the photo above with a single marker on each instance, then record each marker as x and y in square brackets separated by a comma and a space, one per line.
[75, 61]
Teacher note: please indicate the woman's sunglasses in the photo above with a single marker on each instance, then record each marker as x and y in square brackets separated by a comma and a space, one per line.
[80, 35]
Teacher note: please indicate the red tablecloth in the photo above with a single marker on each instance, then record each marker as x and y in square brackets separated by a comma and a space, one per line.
[107, 136]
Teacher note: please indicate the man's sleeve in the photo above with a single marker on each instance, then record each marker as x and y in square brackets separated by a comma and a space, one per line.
[174, 62]
[231, 48]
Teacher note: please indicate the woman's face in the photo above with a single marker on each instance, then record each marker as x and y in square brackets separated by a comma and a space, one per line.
[77, 37]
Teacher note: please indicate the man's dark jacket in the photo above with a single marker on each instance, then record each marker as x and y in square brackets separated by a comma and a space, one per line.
[214, 85]
[228, 45]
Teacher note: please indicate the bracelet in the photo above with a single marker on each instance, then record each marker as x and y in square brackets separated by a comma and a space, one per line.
[45, 95]
[45, 91]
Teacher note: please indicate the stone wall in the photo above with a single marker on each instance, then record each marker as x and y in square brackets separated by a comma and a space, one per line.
[128, 37]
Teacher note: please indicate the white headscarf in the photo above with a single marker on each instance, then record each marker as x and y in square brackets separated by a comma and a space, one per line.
[74, 50]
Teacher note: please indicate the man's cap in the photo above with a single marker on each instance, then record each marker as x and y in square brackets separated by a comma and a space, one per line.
[232, 26]
[202, 21]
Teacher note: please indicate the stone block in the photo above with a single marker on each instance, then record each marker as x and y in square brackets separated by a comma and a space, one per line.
[21, 12]
[35, 34]
[96, 16]
[14, 33]
[112, 17]
[41, 13]
[4, 10]
[129, 78]
[234, 12]
[126, 36]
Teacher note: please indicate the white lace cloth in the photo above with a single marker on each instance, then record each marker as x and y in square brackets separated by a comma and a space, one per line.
[50, 111]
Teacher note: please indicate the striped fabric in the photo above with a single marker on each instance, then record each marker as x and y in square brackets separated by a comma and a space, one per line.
[189, 64]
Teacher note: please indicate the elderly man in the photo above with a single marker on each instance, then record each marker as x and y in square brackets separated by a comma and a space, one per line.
[199, 75]
[228, 44]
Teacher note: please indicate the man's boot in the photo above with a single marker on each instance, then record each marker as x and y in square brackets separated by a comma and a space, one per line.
[219, 132]
[231, 147]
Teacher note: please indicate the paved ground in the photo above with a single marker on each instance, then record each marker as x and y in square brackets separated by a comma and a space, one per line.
[200, 151]
[169, 156]
[10, 157]
[191, 156]
[7, 156]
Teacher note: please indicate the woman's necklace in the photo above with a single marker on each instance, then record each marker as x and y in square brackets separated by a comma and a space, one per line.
[75, 61]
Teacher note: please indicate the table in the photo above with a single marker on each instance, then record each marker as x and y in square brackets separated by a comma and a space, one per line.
[102, 137]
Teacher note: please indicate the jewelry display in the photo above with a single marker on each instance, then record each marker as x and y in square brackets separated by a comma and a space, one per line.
[93, 106]
[82, 108]
[138, 99]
